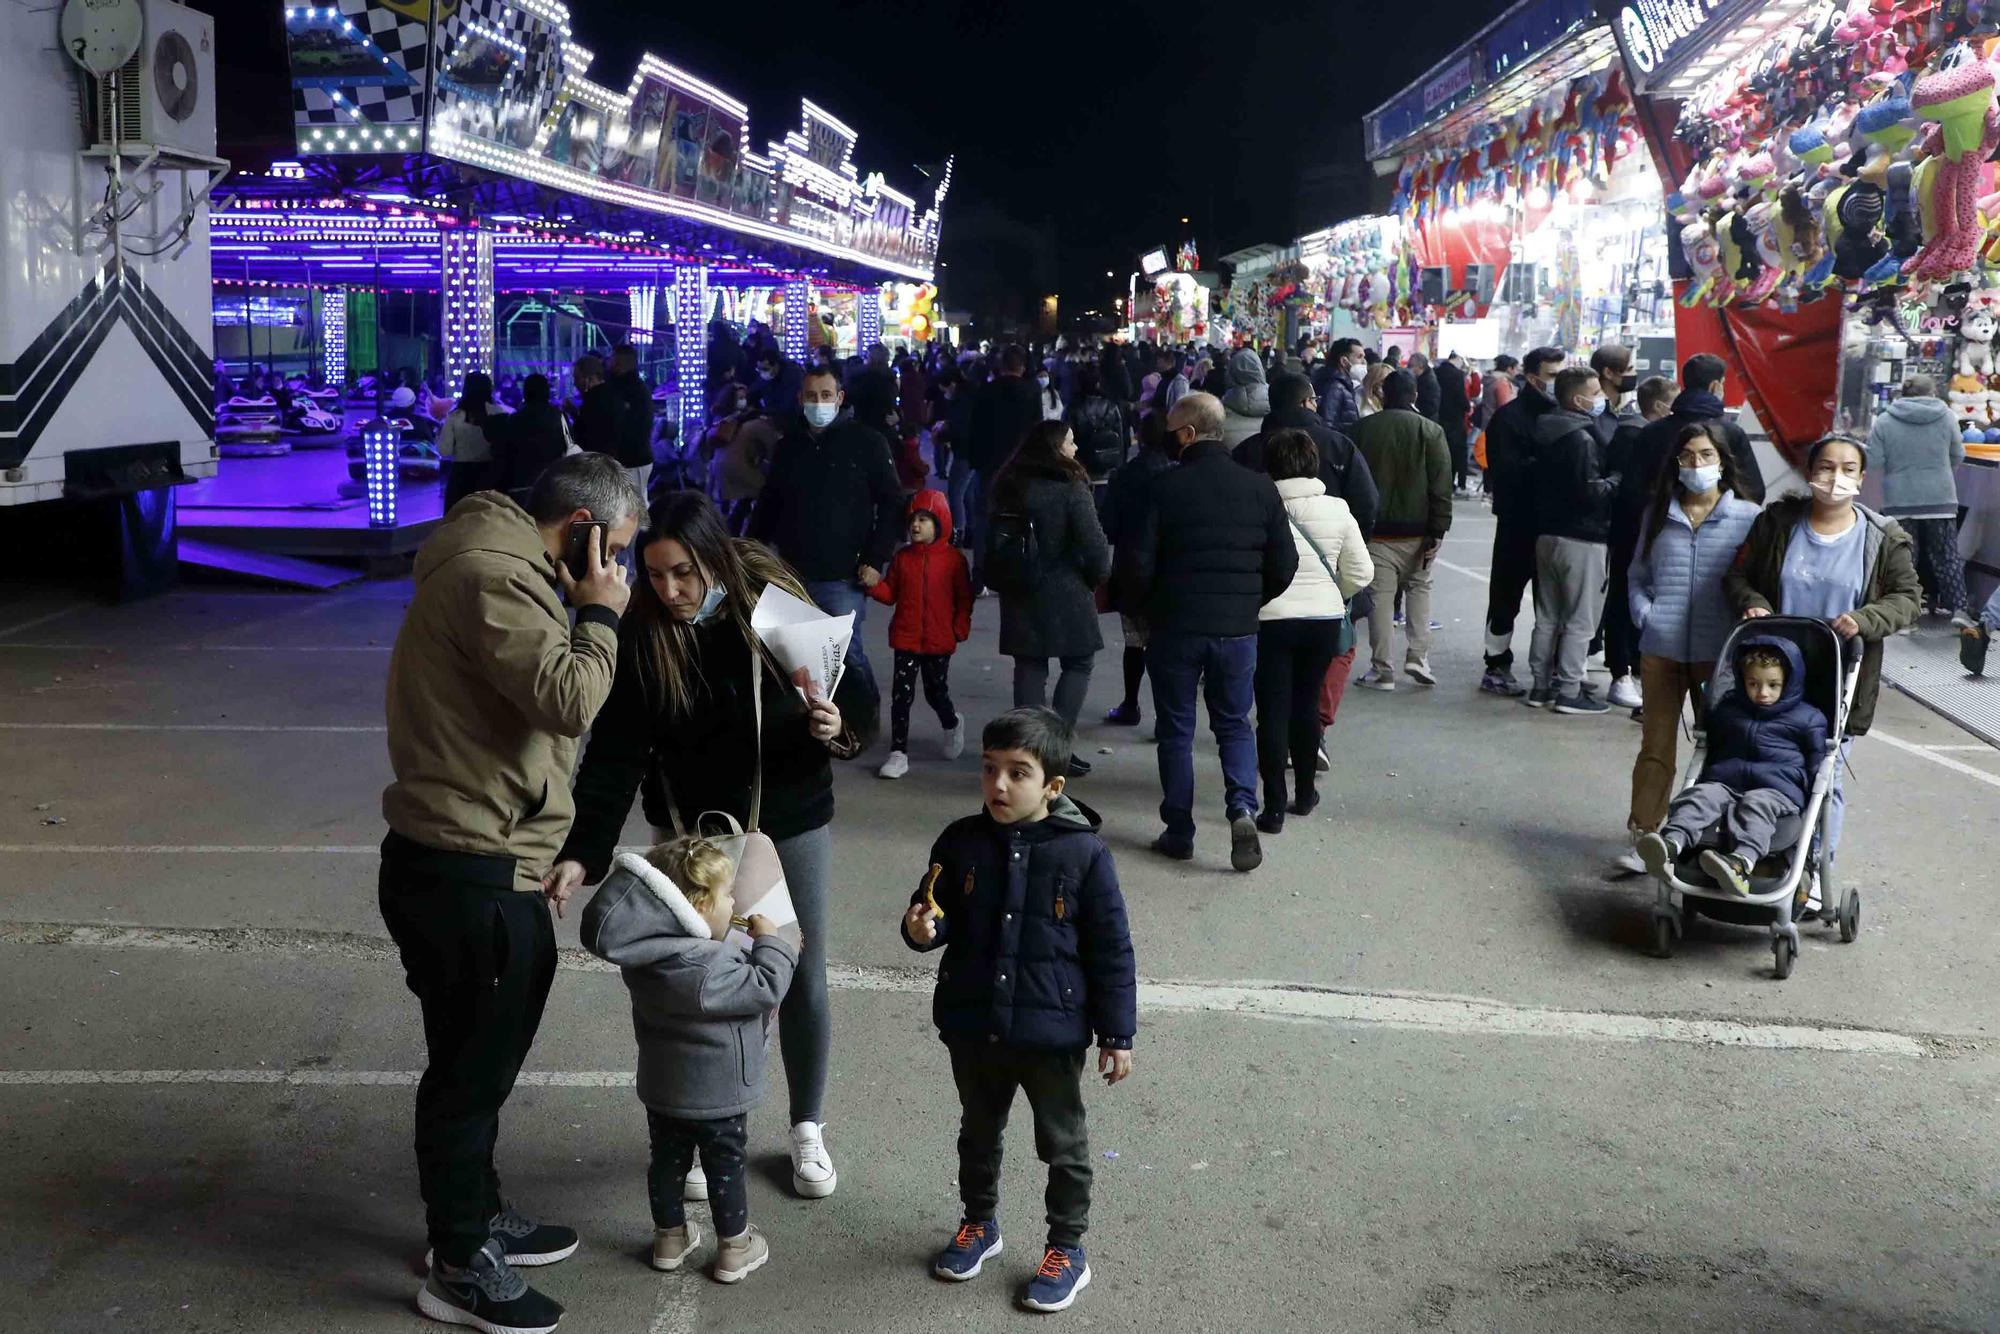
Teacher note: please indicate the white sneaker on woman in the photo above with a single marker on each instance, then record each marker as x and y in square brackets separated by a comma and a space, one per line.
[895, 766]
[1625, 693]
[813, 1176]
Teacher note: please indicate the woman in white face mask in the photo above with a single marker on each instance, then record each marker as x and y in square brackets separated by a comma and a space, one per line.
[1826, 556]
[1694, 524]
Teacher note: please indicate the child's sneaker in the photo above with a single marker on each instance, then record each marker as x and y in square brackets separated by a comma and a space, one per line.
[737, 1256]
[1064, 1273]
[673, 1245]
[813, 1176]
[1656, 854]
[954, 740]
[1727, 870]
[895, 766]
[488, 1295]
[969, 1249]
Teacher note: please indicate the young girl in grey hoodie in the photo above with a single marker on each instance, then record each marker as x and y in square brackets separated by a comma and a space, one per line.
[701, 1009]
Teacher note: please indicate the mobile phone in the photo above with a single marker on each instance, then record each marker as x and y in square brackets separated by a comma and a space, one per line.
[577, 557]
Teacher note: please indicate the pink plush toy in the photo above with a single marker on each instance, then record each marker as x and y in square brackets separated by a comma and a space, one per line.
[1960, 100]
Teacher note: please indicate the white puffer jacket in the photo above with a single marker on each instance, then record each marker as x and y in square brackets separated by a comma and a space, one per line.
[1314, 595]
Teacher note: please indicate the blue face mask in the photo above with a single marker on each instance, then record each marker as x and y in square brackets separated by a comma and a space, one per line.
[711, 602]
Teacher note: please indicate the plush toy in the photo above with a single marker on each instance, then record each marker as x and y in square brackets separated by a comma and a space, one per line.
[1711, 284]
[1762, 219]
[1885, 121]
[1960, 99]
[1853, 220]
[1975, 352]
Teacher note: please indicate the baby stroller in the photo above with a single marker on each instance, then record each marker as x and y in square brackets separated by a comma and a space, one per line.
[1832, 666]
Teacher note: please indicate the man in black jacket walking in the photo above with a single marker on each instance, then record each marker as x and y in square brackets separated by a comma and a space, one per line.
[1510, 443]
[1003, 412]
[1573, 495]
[1294, 407]
[832, 507]
[1700, 400]
[1454, 409]
[633, 445]
[1216, 547]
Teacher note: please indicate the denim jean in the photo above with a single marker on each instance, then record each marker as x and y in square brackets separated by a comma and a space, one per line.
[1836, 804]
[1223, 669]
[837, 597]
[958, 490]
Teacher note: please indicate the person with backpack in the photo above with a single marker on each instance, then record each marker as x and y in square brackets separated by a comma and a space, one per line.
[1098, 422]
[1046, 555]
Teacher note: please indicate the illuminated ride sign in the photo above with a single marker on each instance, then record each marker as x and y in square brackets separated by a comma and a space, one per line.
[1657, 34]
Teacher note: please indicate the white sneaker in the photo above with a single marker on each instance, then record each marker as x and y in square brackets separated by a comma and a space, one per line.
[813, 1176]
[696, 1186]
[895, 766]
[1420, 671]
[1321, 764]
[954, 740]
[1629, 862]
[1374, 680]
[1625, 694]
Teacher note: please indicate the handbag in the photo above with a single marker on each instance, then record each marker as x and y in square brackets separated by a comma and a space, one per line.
[1345, 640]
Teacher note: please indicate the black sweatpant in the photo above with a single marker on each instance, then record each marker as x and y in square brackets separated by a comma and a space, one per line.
[1621, 637]
[1292, 658]
[1939, 567]
[987, 1076]
[723, 1145]
[480, 956]
[1460, 449]
[1513, 574]
[936, 671]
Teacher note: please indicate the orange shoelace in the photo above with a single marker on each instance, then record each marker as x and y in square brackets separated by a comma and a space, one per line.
[969, 1233]
[1053, 1264]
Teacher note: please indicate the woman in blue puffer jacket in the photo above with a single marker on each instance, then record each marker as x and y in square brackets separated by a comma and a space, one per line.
[1694, 525]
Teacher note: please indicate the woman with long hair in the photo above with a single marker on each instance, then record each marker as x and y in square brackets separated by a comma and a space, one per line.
[1371, 387]
[699, 719]
[462, 442]
[1057, 618]
[1694, 524]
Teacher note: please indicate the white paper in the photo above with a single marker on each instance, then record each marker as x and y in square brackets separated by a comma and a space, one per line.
[809, 644]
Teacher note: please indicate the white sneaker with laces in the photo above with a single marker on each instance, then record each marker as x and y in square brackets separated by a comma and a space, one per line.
[696, 1186]
[1625, 693]
[1374, 680]
[895, 766]
[954, 740]
[813, 1176]
[1629, 862]
[1419, 670]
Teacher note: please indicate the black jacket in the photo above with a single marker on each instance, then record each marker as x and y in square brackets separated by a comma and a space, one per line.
[1003, 412]
[599, 421]
[872, 396]
[780, 394]
[1429, 394]
[1058, 617]
[1101, 435]
[1341, 466]
[1215, 546]
[524, 443]
[1037, 949]
[832, 503]
[1510, 454]
[1779, 747]
[634, 436]
[1452, 405]
[1122, 513]
[706, 758]
[1573, 492]
[1652, 454]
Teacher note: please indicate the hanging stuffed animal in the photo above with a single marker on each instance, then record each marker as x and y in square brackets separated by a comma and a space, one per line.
[1853, 217]
[1975, 351]
[1711, 284]
[1960, 99]
[1798, 239]
[1762, 219]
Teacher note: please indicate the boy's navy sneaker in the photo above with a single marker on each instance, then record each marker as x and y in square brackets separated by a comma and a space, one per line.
[970, 1246]
[487, 1295]
[1064, 1273]
[1172, 848]
[527, 1243]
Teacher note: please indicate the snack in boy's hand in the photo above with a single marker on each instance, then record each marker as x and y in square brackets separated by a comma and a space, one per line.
[930, 888]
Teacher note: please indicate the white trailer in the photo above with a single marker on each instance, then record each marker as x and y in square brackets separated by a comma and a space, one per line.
[106, 341]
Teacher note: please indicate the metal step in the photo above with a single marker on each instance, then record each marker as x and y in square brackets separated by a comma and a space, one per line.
[264, 568]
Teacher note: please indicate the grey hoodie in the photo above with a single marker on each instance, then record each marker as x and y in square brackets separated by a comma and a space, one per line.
[1248, 399]
[1915, 444]
[701, 1008]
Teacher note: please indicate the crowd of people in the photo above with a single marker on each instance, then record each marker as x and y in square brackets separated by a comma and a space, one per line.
[1242, 513]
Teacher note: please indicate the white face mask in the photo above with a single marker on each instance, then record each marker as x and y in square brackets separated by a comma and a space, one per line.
[1835, 488]
[1358, 372]
[1598, 405]
[821, 415]
[1700, 481]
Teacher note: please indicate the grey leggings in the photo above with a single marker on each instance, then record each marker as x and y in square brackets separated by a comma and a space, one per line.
[1031, 684]
[805, 1023]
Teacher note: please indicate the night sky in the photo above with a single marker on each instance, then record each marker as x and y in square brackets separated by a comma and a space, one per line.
[1112, 120]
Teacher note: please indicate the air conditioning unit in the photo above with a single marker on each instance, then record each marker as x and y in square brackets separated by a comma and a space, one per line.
[165, 94]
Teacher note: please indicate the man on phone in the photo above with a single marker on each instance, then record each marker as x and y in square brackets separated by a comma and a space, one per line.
[490, 686]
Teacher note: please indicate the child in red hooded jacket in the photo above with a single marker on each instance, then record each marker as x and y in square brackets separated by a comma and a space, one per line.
[931, 589]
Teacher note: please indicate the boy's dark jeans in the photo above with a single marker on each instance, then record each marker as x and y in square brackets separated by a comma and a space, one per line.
[480, 956]
[987, 1076]
[722, 1145]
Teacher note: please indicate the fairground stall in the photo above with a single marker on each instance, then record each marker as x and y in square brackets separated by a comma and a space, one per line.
[463, 197]
[1527, 216]
[1835, 212]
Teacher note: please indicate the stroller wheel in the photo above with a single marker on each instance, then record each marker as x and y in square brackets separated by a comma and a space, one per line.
[1783, 955]
[1850, 917]
[1664, 931]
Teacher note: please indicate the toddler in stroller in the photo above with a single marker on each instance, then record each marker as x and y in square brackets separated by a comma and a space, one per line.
[1765, 744]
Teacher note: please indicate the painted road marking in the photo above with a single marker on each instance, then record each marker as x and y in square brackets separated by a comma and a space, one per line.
[34, 621]
[1928, 753]
[1410, 1011]
[1480, 575]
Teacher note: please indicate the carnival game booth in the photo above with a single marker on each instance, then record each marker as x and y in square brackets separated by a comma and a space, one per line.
[1526, 214]
[1838, 225]
[464, 198]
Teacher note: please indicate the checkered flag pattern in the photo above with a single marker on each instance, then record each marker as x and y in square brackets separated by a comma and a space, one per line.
[404, 40]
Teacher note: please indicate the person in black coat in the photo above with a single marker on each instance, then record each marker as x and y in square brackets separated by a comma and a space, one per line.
[1510, 443]
[1102, 436]
[634, 435]
[832, 506]
[1295, 407]
[1002, 414]
[1454, 410]
[1057, 618]
[527, 441]
[1700, 400]
[1430, 392]
[1122, 510]
[1216, 545]
[775, 390]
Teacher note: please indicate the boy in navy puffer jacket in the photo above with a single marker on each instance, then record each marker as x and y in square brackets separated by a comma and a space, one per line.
[1765, 744]
[1037, 957]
